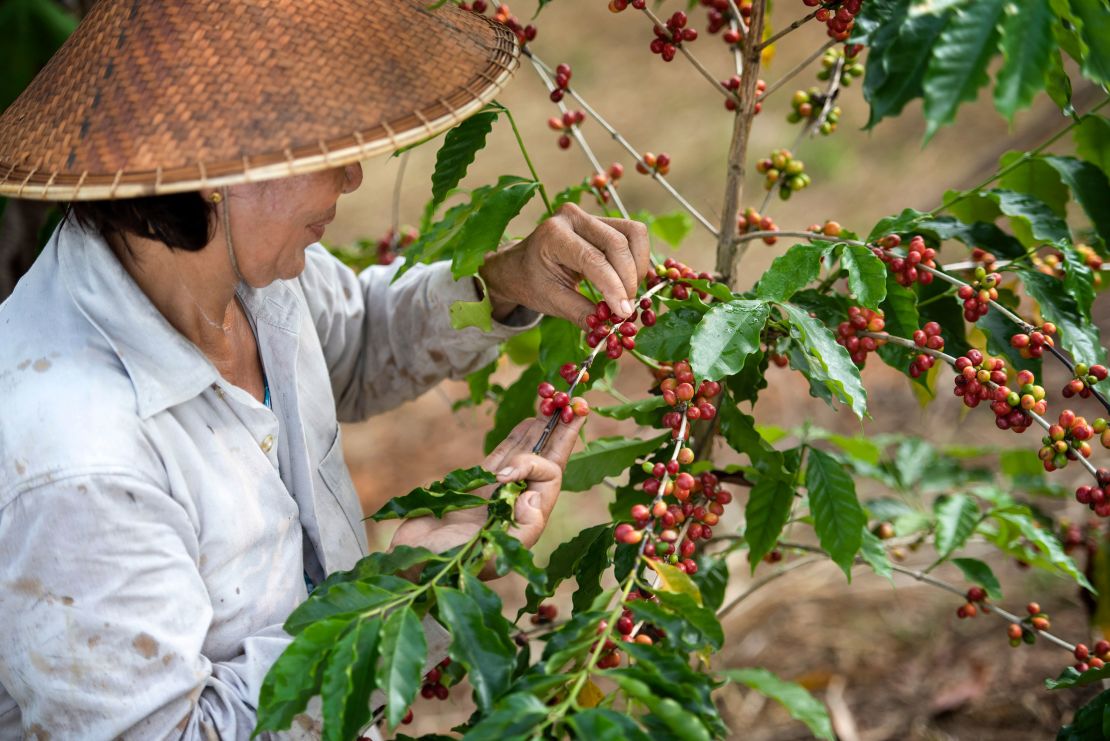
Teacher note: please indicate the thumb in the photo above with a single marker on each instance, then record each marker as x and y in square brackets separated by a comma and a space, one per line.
[529, 518]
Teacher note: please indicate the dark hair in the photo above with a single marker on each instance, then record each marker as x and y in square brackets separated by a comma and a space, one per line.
[181, 221]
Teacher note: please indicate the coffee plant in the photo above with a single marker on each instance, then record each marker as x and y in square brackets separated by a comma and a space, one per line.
[982, 290]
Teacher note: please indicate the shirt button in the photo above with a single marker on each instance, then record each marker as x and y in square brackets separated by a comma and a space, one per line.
[267, 443]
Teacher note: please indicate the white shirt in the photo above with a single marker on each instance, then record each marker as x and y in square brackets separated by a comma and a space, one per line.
[156, 521]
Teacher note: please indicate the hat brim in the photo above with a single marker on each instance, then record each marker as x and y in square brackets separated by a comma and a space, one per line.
[74, 133]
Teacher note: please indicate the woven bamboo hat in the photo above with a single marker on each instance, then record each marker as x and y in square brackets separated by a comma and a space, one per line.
[149, 97]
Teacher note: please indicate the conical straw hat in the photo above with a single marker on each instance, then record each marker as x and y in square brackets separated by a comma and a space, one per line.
[161, 96]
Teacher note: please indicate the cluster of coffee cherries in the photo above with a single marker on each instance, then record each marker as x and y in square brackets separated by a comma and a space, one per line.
[928, 337]
[1011, 408]
[545, 614]
[1087, 659]
[719, 13]
[616, 6]
[1032, 344]
[677, 387]
[603, 181]
[978, 294]
[808, 104]
[565, 124]
[752, 221]
[851, 69]
[782, 168]
[675, 272]
[654, 163]
[860, 319]
[618, 333]
[504, 16]
[670, 37]
[1074, 535]
[391, 244]
[554, 402]
[732, 84]
[828, 229]
[1024, 632]
[839, 19]
[1066, 440]
[987, 259]
[433, 682]
[976, 377]
[1085, 378]
[907, 269]
[562, 82]
[976, 603]
[1053, 263]
[1097, 497]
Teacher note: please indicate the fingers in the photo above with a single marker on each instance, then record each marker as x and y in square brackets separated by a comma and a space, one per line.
[614, 244]
[561, 442]
[534, 469]
[522, 437]
[594, 264]
[636, 232]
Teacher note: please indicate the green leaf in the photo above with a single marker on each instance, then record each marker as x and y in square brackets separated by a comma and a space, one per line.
[957, 516]
[1090, 187]
[740, 433]
[672, 228]
[1092, 721]
[644, 411]
[513, 556]
[895, 75]
[349, 678]
[796, 699]
[672, 579]
[404, 649]
[481, 234]
[1048, 547]
[606, 456]
[725, 337]
[873, 552]
[669, 338]
[1071, 677]
[559, 343]
[712, 580]
[838, 517]
[33, 31]
[1027, 43]
[518, 403]
[440, 497]
[678, 722]
[1079, 337]
[1092, 141]
[1057, 82]
[1093, 18]
[903, 223]
[866, 274]
[977, 572]
[457, 153]
[765, 515]
[830, 363]
[295, 677]
[487, 656]
[703, 619]
[513, 717]
[1037, 178]
[489, 603]
[565, 562]
[1031, 216]
[472, 314]
[900, 312]
[478, 382]
[958, 67]
[343, 600]
[1079, 281]
[603, 724]
[998, 330]
[791, 272]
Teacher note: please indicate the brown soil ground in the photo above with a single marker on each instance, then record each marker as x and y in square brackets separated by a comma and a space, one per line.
[891, 663]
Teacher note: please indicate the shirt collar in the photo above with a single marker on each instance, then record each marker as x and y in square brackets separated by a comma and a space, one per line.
[165, 368]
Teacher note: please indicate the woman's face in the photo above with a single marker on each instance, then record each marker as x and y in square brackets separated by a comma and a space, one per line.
[272, 223]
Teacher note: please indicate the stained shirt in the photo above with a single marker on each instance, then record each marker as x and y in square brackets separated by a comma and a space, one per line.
[156, 521]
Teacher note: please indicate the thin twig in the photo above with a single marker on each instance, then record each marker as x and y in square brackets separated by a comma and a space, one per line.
[686, 53]
[783, 570]
[789, 29]
[797, 69]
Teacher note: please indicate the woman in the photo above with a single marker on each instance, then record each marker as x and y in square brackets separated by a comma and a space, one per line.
[174, 367]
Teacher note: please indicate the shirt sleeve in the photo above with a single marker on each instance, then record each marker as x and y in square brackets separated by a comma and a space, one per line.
[388, 342]
[105, 617]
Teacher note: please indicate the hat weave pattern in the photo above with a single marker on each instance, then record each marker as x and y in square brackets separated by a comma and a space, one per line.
[150, 96]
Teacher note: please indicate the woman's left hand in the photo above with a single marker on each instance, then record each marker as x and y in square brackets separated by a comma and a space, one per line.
[543, 270]
[512, 460]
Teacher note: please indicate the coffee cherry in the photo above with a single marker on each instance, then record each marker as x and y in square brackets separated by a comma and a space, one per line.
[907, 270]
[860, 320]
[976, 594]
[1033, 608]
[1014, 631]
[392, 243]
[1081, 652]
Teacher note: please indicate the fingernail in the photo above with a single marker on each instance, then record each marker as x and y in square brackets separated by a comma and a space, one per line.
[505, 473]
[626, 308]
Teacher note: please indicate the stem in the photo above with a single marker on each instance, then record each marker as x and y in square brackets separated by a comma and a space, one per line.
[789, 29]
[736, 23]
[764, 581]
[1019, 161]
[729, 252]
[527, 159]
[796, 70]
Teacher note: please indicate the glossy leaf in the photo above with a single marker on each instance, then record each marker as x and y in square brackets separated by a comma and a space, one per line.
[1077, 336]
[487, 656]
[830, 363]
[866, 274]
[958, 67]
[790, 272]
[513, 717]
[672, 228]
[481, 234]
[712, 580]
[873, 552]
[957, 515]
[838, 517]
[1092, 141]
[978, 573]
[1031, 216]
[1048, 547]
[902, 223]
[349, 678]
[440, 497]
[566, 561]
[702, 618]
[645, 411]
[897, 75]
[1092, 721]
[1089, 186]
[296, 676]
[1093, 18]
[1027, 43]
[765, 515]
[1037, 178]
[669, 338]
[404, 649]
[345, 600]
[559, 341]
[672, 579]
[511, 555]
[603, 724]
[1071, 677]
[457, 153]
[606, 456]
[797, 701]
[727, 334]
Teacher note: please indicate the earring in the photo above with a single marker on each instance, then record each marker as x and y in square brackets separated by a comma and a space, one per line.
[215, 197]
